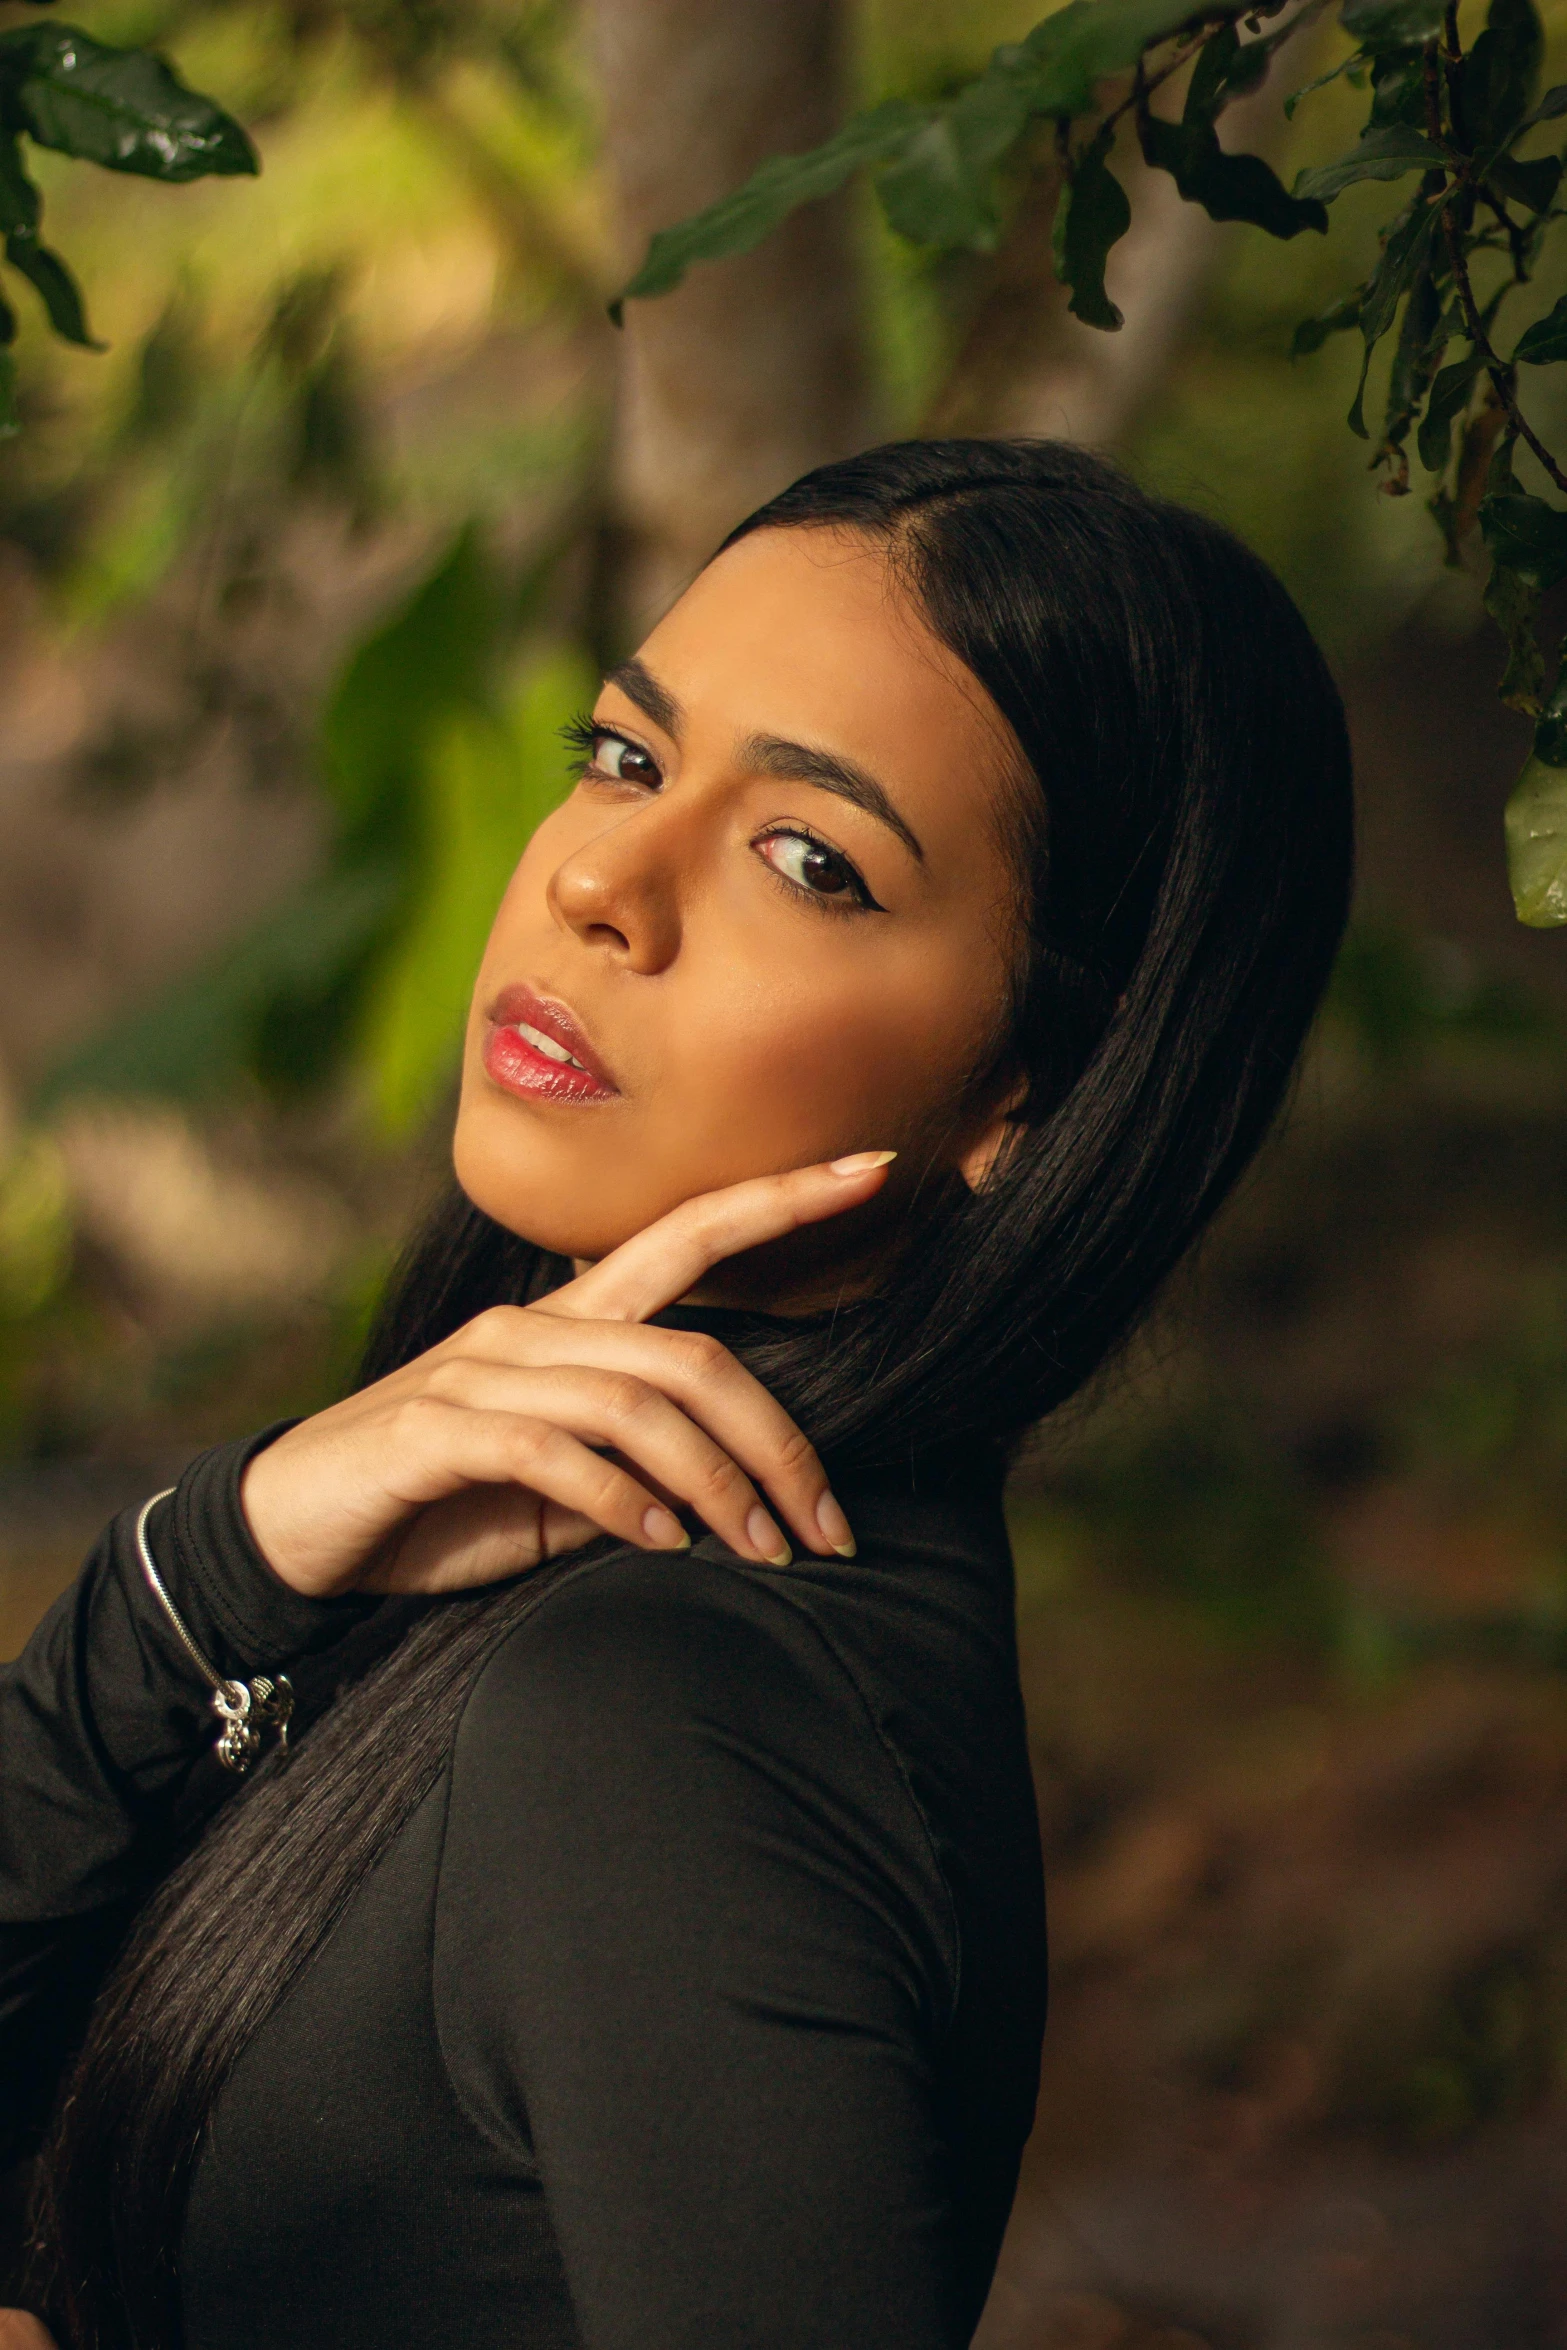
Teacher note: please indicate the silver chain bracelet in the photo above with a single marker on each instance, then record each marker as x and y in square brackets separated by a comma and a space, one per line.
[247, 1708]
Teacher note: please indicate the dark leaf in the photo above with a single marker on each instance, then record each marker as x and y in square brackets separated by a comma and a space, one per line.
[1551, 105]
[1501, 71]
[1092, 214]
[1228, 187]
[123, 108]
[1398, 83]
[7, 324]
[738, 222]
[57, 289]
[1550, 733]
[1542, 344]
[19, 200]
[1526, 535]
[8, 423]
[1226, 69]
[1450, 396]
[1533, 184]
[1381, 155]
[1513, 605]
[1391, 24]
[1422, 339]
[1403, 262]
[1312, 333]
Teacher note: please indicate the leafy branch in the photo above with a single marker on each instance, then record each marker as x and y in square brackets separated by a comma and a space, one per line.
[124, 109]
[1467, 121]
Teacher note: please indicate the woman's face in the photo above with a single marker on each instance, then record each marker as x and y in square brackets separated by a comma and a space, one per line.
[771, 925]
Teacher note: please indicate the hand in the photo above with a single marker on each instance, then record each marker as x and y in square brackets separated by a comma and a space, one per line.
[535, 1428]
[18, 2331]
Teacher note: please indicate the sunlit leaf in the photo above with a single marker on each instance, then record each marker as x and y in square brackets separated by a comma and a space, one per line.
[1381, 155]
[1536, 825]
[1092, 215]
[487, 780]
[122, 108]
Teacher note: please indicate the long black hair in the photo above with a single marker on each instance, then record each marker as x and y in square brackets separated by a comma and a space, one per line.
[1183, 847]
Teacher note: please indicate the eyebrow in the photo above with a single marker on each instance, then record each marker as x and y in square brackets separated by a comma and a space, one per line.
[791, 762]
[636, 681]
[774, 755]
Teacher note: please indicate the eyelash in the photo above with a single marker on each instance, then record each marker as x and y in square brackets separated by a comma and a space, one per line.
[582, 736]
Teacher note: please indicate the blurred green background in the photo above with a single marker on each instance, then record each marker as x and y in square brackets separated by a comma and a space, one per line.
[298, 581]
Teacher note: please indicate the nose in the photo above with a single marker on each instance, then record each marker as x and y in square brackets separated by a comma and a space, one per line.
[621, 892]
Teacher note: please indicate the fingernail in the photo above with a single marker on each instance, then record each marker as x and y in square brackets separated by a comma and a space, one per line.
[861, 1162]
[664, 1530]
[834, 1526]
[766, 1538]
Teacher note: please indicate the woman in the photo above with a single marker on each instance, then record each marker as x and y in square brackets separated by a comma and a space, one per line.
[648, 1949]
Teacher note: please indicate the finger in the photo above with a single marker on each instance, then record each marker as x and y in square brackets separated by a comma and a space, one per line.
[21, 2331]
[465, 1448]
[653, 1268]
[701, 1377]
[651, 1434]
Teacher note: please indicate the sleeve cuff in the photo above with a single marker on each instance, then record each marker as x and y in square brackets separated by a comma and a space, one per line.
[222, 1584]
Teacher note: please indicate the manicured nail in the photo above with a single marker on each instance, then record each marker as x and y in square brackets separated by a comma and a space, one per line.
[834, 1526]
[861, 1162]
[664, 1530]
[766, 1538]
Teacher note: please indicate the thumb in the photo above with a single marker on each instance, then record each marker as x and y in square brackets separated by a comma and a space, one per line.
[651, 1269]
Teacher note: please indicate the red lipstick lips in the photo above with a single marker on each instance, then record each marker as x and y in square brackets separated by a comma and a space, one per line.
[536, 1050]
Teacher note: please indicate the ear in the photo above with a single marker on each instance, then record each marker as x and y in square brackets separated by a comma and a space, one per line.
[976, 1162]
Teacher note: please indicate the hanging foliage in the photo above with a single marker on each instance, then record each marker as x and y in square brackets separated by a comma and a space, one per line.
[1465, 123]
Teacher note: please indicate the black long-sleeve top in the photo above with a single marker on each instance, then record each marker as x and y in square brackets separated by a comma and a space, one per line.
[698, 2005]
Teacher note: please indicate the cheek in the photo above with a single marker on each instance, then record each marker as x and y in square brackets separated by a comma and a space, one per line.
[852, 1054]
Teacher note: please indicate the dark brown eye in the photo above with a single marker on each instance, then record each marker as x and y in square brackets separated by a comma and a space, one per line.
[626, 762]
[811, 865]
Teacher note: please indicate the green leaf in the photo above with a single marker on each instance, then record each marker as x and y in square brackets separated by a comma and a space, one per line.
[1309, 89]
[1542, 344]
[1403, 261]
[488, 780]
[122, 108]
[1551, 105]
[1312, 333]
[1536, 827]
[1074, 49]
[1450, 395]
[1513, 605]
[1501, 70]
[1092, 214]
[196, 1035]
[1526, 535]
[1392, 24]
[1381, 155]
[1533, 184]
[1227, 68]
[1228, 187]
[20, 205]
[1398, 90]
[1422, 339]
[740, 221]
[56, 288]
[940, 189]
[8, 423]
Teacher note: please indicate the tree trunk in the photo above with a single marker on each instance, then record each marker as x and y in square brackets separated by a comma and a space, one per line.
[755, 369]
